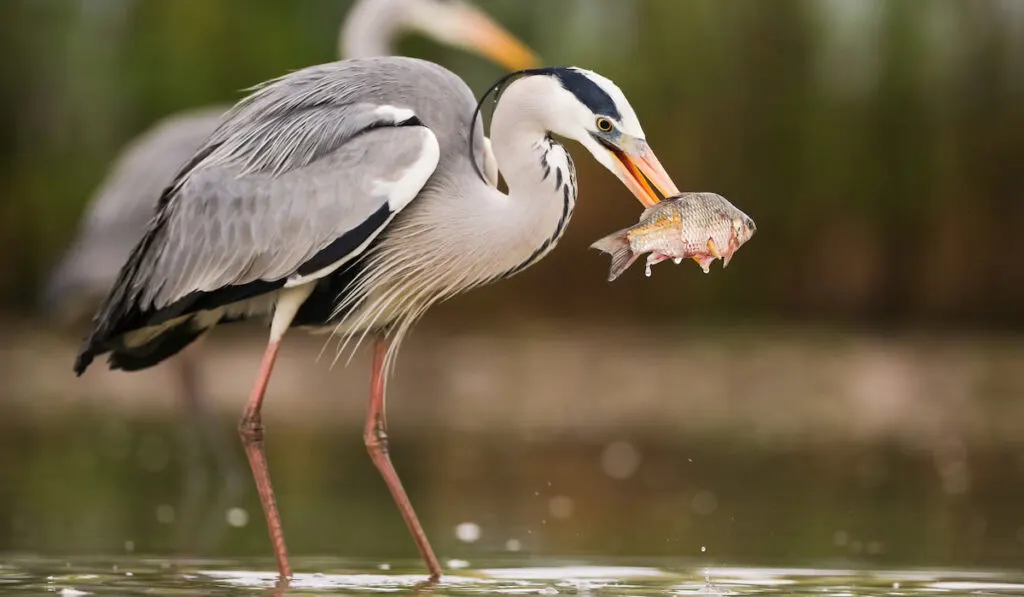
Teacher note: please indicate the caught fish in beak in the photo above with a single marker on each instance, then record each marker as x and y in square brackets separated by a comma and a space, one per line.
[680, 227]
[639, 169]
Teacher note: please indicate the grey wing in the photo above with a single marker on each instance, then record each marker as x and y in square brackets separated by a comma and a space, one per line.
[228, 230]
[116, 216]
[272, 199]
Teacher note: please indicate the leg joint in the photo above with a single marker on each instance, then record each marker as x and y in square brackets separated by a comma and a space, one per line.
[251, 429]
[376, 438]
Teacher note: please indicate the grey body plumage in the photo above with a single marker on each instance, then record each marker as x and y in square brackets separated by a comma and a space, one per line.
[301, 163]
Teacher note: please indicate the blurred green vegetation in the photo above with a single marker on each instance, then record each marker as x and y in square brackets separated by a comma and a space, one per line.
[877, 144]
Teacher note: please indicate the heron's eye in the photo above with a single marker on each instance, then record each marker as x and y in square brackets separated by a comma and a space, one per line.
[604, 125]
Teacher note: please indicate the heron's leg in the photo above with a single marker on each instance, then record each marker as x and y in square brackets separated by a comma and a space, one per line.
[375, 436]
[251, 430]
[251, 426]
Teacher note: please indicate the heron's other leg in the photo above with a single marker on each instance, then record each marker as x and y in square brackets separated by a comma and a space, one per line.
[375, 436]
[251, 425]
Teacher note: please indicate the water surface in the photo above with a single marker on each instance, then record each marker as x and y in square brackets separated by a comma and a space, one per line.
[142, 576]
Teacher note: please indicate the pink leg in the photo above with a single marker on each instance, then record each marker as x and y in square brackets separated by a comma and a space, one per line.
[251, 430]
[375, 436]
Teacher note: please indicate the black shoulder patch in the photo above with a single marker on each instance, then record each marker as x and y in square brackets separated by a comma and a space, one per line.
[588, 92]
[344, 245]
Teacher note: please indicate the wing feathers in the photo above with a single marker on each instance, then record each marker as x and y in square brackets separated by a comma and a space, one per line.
[286, 200]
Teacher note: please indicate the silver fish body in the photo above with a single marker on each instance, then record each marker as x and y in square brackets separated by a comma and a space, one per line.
[698, 226]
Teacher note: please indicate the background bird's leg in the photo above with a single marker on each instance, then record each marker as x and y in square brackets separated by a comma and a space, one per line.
[208, 432]
[195, 472]
[375, 436]
[251, 430]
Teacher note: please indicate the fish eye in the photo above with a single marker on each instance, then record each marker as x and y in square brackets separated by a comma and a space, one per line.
[750, 225]
[604, 125]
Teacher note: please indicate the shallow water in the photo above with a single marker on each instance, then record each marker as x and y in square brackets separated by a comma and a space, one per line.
[144, 576]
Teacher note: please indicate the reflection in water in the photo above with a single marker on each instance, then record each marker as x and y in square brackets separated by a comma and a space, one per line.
[81, 488]
[140, 576]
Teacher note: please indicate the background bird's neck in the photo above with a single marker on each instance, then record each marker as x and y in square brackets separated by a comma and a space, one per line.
[369, 30]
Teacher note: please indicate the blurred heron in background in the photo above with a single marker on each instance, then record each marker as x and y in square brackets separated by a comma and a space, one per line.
[117, 215]
[350, 196]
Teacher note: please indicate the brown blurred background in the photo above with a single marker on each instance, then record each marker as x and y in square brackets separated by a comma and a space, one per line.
[849, 388]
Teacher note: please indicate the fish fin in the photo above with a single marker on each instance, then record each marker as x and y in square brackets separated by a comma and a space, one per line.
[617, 245]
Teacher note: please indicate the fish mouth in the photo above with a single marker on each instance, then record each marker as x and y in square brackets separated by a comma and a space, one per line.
[642, 172]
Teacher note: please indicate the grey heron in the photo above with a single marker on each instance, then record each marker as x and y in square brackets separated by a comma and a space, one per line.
[117, 215]
[349, 196]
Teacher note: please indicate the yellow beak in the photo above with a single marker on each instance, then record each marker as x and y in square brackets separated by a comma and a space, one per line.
[486, 37]
[640, 170]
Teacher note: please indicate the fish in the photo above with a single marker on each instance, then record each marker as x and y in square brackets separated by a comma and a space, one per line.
[698, 226]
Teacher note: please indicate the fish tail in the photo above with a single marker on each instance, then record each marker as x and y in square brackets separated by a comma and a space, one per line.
[617, 245]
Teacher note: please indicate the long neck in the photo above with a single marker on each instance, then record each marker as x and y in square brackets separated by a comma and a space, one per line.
[539, 173]
[369, 30]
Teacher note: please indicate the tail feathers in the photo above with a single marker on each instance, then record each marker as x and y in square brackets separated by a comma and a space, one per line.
[158, 349]
[135, 356]
[617, 245]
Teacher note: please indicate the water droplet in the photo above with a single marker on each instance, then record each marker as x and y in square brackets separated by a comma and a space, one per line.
[513, 545]
[165, 514]
[128, 574]
[467, 532]
[647, 270]
[384, 566]
[620, 460]
[455, 564]
[677, 260]
[237, 517]
[561, 507]
[895, 585]
[129, 546]
[703, 549]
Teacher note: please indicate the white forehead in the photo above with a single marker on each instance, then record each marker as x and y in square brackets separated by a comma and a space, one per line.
[628, 121]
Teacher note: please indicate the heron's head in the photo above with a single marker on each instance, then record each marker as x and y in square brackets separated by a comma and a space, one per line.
[584, 106]
[452, 22]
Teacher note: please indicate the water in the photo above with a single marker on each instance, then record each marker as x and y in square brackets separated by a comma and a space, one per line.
[145, 576]
[885, 472]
